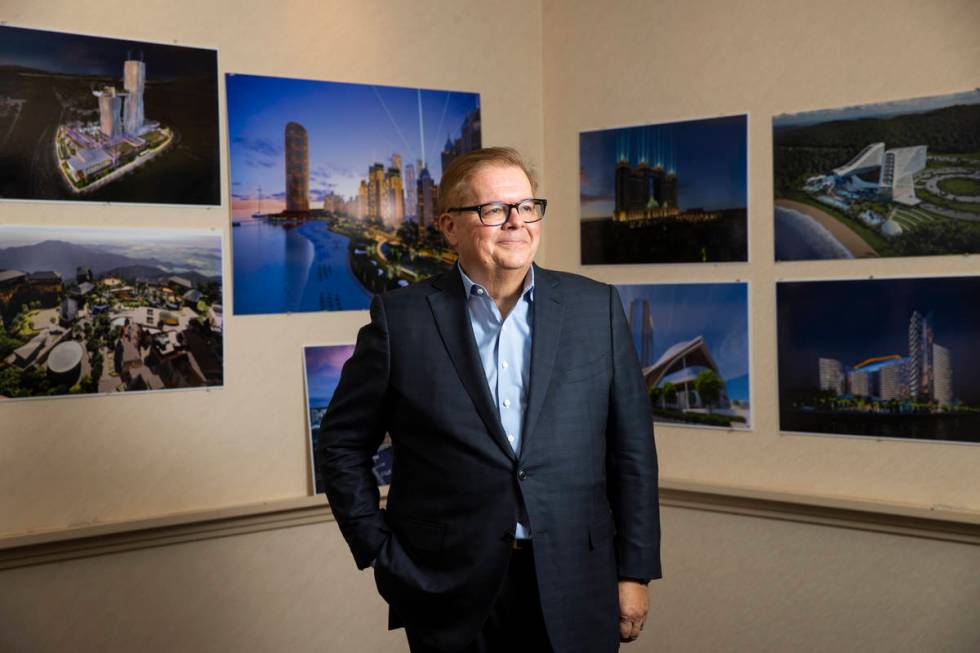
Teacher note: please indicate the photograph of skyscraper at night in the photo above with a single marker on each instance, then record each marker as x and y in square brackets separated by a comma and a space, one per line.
[107, 120]
[882, 357]
[335, 188]
[322, 365]
[692, 340]
[667, 193]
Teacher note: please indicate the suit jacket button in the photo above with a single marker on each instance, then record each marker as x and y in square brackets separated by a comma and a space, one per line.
[522, 474]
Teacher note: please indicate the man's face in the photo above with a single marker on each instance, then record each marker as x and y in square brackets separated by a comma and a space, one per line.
[486, 251]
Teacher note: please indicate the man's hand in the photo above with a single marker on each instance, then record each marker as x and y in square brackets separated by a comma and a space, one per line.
[634, 602]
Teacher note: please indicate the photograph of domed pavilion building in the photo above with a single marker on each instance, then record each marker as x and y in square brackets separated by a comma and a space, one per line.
[692, 342]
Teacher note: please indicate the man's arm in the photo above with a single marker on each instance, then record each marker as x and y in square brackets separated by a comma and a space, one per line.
[350, 433]
[631, 477]
[631, 458]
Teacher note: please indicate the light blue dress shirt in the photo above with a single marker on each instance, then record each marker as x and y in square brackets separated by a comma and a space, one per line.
[504, 345]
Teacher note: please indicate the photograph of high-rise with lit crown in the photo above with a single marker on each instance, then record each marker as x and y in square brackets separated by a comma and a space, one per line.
[665, 193]
[692, 340]
[86, 118]
[335, 188]
[882, 357]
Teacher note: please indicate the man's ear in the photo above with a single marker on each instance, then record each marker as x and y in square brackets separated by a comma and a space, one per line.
[447, 226]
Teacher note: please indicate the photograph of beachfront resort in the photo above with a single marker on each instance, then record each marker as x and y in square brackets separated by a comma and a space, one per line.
[665, 193]
[335, 189]
[892, 358]
[693, 343]
[322, 366]
[889, 179]
[99, 310]
[85, 118]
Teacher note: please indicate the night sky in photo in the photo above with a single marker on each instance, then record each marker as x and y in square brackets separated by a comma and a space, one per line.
[709, 157]
[74, 54]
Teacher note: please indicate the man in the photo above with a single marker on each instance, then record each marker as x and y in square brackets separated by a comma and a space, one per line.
[522, 513]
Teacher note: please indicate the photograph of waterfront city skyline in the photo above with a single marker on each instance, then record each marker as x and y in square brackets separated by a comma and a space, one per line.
[335, 188]
[880, 357]
[888, 179]
[86, 118]
[692, 340]
[100, 310]
[322, 366]
[666, 193]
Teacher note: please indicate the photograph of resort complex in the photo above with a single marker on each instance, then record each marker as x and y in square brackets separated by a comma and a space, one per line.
[335, 188]
[884, 357]
[667, 193]
[86, 310]
[107, 120]
[890, 179]
[693, 343]
[323, 364]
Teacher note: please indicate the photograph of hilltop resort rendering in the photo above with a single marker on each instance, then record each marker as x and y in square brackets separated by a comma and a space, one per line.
[102, 310]
[893, 358]
[322, 365]
[692, 340]
[335, 188]
[889, 179]
[87, 118]
[665, 193]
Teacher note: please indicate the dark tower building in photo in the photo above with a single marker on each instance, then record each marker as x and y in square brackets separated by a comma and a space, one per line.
[920, 356]
[427, 194]
[297, 169]
[644, 192]
[641, 326]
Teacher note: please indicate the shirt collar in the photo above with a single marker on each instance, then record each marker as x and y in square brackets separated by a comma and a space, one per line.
[471, 286]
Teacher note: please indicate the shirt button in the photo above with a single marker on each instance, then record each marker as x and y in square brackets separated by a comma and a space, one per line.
[505, 365]
[510, 437]
[506, 403]
[479, 291]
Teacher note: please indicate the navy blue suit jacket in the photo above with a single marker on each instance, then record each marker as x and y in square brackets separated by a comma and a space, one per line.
[586, 473]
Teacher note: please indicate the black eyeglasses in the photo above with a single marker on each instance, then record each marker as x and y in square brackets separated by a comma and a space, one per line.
[494, 214]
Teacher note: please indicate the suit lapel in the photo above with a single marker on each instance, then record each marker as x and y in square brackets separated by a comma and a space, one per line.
[452, 318]
[546, 330]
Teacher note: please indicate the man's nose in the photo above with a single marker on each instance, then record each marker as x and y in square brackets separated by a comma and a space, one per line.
[514, 219]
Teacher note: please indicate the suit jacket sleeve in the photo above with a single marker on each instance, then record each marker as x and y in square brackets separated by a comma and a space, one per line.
[350, 433]
[632, 457]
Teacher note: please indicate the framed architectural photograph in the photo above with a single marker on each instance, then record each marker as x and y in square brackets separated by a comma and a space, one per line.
[322, 365]
[87, 118]
[692, 340]
[666, 193]
[888, 179]
[101, 311]
[885, 358]
[335, 188]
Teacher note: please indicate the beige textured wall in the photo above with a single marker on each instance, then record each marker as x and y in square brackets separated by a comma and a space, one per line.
[630, 62]
[732, 584]
[71, 462]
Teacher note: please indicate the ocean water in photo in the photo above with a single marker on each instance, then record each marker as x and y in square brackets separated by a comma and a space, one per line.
[801, 238]
[284, 268]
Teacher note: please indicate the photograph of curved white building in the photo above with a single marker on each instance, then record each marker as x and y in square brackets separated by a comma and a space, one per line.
[888, 179]
[692, 342]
